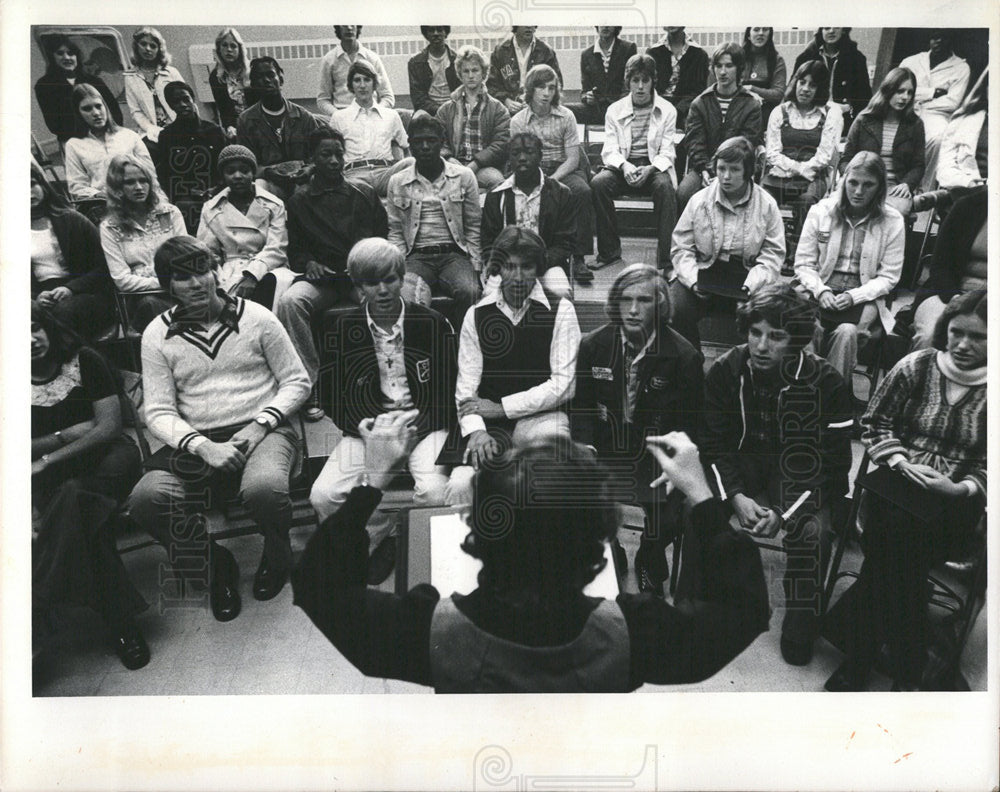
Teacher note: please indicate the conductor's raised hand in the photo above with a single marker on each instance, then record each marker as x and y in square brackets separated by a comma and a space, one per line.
[678, 457]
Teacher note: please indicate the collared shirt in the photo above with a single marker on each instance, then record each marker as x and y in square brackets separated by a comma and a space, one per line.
[557, 389]
[831, 117]
[333, 91]
[733, 224]
[522, 58]
[605, 57]
[472, 137]
[186, 317]
[433, 228]
[87, 160]
[369, 132]
[847, 271]
[675, 67]
[557, 131]
[527, 206]
[391, 362]
[632, 372]
[129, 248]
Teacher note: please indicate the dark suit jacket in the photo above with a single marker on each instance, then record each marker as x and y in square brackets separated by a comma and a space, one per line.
[849, 79]
[607, 86]
[907, 147]
[669, 398]
[556, 221]
[351, 368]
[505, 77]
[419, 70]
[691, 82]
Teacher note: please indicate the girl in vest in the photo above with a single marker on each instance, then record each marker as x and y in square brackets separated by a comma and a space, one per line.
[801, 143]
[539, 521]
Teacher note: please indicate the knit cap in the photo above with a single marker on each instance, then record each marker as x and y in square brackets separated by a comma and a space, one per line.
[236, 152]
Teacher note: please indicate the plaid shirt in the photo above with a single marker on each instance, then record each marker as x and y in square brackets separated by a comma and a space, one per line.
[557, 131]
[472, 139]
[763, 431]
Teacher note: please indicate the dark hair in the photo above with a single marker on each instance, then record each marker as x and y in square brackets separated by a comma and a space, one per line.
[53, 203]
[64, 342]
[361, 67]
[171, 89]
[425, 28]
[879, 102]
[770, 54]
[845, 37]
[321, 133]
[540, 517]
[781, 306]
[618, 30]
[337, 33]
[174, 253]
[525, 138]
[820, 76]
[971, 303]
[522, 241]
[257, 63]
[640, 64]
[83, 91]
[50, 44]
[424, 121]
[734, 51]
[737, 149]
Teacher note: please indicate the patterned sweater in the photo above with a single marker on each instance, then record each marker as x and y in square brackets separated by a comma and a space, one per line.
[909, 414]
[241, 366]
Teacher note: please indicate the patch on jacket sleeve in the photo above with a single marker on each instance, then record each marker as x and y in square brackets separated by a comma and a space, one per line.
[602, 373]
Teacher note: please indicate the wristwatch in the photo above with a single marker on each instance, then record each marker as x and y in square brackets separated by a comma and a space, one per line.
[260, 419]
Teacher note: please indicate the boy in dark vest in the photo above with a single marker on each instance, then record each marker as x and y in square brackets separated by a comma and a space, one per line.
[516, 362]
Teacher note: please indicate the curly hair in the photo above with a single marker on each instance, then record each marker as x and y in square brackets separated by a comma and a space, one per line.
[163, 58]
[52, 43]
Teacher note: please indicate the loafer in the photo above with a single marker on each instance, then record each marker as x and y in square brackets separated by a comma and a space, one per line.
[581, 273]
[382, 561]
[846, 680]
[226, 602]
[313, 413]
[796, 653]
[267, 583]
[130, 646]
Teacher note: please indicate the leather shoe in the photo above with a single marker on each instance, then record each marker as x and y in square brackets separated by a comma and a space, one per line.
[581, 274]
[130, 646]
[382, 561]
[796, 653]
[846, 680]
[268, 582]
[224, 590]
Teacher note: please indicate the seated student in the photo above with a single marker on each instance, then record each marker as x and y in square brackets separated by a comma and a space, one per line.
[246, 228]
[529, 200]
[638, 157]
[801, 141]
[926, 430]
[98, 138]
[964, 157]
[275, 130]
[516, 362]
[220, 381]
[636, 377]
[334, 79]
[849, 258]
[432, 71]
[144, 85]
[528, 626]
[510, 63]
[82, 468]
[138, 221]
[959, 263]
[375, 141]
[728, 242]
[189, 150]
[555, 126]
[602, 75]
[766, 401]
[891, 129]
[388, 355]
[942, 78]
[325, 218]
[850, 85]
[682, 70]
[69, 276]
[476, 126]
[230, 79]
[765, 73]
[724, 110]
[434, 220]
[54, 89]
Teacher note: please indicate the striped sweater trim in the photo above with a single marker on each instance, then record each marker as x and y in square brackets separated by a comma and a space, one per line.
[187, 439]
[275, 413]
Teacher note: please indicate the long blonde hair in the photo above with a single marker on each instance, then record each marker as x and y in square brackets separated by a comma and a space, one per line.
[244, 61]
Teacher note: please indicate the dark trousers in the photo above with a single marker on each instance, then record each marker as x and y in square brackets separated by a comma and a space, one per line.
[588, 114]
[608, 184]
[87, 314]
[688, 308]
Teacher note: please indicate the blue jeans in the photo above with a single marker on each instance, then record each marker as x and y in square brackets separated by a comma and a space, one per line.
[441, 273]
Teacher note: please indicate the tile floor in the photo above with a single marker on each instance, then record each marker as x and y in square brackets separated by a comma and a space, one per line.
[273, 647]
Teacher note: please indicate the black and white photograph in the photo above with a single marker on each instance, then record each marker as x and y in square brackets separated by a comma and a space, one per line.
[520, 355]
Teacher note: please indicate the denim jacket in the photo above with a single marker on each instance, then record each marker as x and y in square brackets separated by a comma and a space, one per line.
[461, 209]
